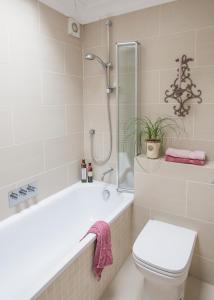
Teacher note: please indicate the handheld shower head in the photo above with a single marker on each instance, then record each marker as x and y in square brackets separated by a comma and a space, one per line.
[91, 56]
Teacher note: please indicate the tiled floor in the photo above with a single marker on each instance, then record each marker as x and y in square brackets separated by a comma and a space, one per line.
[128, 285]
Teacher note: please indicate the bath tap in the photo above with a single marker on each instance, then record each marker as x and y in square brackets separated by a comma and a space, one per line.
[105, 173]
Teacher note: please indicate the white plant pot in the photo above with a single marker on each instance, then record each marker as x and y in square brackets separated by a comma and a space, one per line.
[153, 149]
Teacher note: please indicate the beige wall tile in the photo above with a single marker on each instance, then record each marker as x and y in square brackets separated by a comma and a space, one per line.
[184, 15]
[204, 122]
[205, 47]
[94, 90]
[73, 60]
[25, 50]
[52, 55]
[201, 201]
[38, 123]
[20, 162]
[4, 13]
[4, 85]
[155, 56]
[74, 118]
[51, 182]
[136, 26]
[168, 195]
[62, 89]
[140, 217]
[24, 85]
[23, 12]
[74, 172]
[203, 269]
[95, 116]
[150, 87]
[204, 245]
[4, 49]
[203, 78]
[6, 136]
[63, 150]
[91, 35]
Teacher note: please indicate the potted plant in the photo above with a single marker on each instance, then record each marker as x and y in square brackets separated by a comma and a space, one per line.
[152, 133]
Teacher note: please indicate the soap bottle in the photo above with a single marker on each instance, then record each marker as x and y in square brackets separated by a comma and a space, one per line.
[83, 171]
[90, 173]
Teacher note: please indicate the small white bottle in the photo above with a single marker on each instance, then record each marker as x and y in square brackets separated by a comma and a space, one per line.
[83, 171]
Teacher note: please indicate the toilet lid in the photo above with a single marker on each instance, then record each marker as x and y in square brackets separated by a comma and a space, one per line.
[164, 246]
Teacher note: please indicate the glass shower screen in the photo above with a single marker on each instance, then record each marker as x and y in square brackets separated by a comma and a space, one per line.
[128, 109]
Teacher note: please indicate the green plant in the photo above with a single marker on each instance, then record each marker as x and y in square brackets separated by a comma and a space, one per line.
[145, 129]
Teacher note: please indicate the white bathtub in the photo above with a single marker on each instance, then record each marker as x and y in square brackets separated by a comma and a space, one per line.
[38, 243]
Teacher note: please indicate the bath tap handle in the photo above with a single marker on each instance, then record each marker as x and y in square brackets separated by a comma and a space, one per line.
[31, 188]
[23, 191]
[14, 195]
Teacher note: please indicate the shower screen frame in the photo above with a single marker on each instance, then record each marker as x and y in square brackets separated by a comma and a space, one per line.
[136, 46]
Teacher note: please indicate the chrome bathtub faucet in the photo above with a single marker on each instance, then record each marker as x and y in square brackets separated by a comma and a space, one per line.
[22, 193]
[105, 173]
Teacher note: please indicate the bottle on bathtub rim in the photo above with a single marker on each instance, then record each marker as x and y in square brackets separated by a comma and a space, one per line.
[90, 173]
[83, 171]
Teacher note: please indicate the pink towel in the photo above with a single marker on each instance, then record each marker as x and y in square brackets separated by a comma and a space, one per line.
[185, 160]
[187, 154]
[103, 252]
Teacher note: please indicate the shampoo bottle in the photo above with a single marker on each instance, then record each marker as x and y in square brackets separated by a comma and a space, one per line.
[90, 173]
[83, 171]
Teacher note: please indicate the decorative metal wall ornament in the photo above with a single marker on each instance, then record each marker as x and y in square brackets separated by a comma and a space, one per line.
[183, 89]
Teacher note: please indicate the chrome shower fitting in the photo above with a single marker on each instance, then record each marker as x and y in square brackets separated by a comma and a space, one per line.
[92, 56]
[105, 173]
[107, 68]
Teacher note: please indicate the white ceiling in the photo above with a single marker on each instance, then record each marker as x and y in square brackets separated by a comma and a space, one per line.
[87, 11]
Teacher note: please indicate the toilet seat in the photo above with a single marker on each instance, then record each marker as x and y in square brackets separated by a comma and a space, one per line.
[164, 248]
[141, 264]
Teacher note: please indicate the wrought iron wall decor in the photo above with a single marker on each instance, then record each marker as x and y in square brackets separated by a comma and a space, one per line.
[183, 89]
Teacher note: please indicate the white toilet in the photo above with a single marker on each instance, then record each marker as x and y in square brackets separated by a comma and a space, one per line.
[163, 253]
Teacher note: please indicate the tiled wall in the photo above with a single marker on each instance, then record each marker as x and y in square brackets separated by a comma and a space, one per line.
[165, 32]
[41, 126]
[179, 194]
[77, 281]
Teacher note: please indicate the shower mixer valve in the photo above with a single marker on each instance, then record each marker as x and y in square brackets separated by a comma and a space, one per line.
[92, 131]
[23, 193]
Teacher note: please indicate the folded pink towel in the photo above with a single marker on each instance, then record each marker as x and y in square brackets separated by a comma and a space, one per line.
[200, 155]
[103, 253]
[185, 160]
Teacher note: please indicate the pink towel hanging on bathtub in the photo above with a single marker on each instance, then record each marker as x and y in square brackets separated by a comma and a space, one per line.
[103, 252]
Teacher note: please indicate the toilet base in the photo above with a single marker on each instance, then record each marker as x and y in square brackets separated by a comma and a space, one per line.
[154, 291]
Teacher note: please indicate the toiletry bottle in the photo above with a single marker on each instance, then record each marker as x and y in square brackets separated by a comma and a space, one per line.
[83, 171]
[90, 173]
